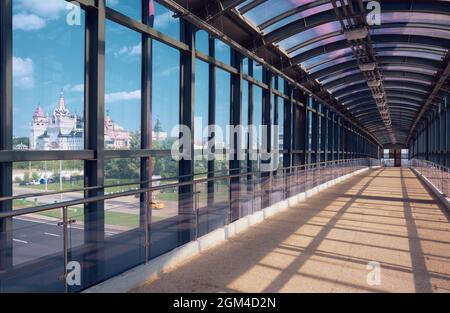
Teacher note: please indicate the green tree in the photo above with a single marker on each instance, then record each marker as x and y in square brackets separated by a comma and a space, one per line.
[135, 140]
[158, 127]
[26, 177]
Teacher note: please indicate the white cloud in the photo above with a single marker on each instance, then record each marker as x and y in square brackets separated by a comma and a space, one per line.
[136, 50]
[123, 96]
[221, 46]
[49, 9]
[23, 73]
[77, 88]
[34, 14]
[129, 51]
[168, 71]
[28, 22]
[163, 20]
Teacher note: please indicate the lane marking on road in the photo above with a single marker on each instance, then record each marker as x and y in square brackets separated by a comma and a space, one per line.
[24, 219]
[33, 221]
[50, 234]
[21, 241]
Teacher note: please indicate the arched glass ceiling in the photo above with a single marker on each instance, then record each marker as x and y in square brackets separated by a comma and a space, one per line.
[309, 34]
[410, 46]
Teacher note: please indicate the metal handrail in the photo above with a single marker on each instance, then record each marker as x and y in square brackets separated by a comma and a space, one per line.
[435, 173]
[48, 207]
[42, 194]
[433, 164]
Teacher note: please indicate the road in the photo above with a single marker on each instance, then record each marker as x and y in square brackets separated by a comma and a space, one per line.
[35, 238]
[128, 204]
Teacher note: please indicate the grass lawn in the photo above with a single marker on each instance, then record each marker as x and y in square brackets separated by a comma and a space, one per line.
[79, 185]
[112, 218]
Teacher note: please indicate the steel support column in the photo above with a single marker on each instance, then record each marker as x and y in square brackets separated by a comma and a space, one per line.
[235, 120]
[186, 228]
[94, 213]
[287, 126]
[146, 114]
[6, 243]
[266, 137]
[211, 115]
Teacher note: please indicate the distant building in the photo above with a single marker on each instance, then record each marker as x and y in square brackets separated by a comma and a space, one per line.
[21, 146]
[64, 131]
[60, 131]
[159, 136]
[116, 137]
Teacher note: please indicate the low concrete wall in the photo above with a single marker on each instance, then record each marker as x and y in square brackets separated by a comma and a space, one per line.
[445, 201]
[180, 255]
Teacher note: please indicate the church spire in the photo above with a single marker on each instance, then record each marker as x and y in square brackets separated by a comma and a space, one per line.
[61, 107]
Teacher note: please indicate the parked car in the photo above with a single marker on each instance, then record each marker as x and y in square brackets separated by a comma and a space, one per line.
[47, 181]
[33, 182]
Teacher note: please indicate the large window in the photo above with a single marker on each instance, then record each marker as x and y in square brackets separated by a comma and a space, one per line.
[202, 41]
[165, 22]
[165, 96]
[122, 213]
[122, 96]
[223, 52]
[131, 8]
[223, 104]
[48, 76]
[201, 110]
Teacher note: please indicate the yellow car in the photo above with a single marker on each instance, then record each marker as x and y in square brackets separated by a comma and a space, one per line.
[157, 205]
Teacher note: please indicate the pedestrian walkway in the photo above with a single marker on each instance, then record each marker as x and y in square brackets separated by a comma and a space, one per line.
[333, 242]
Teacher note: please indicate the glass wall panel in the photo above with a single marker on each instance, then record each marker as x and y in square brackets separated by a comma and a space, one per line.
[223, 103]
[202, 41]
[122, 214]
[47, 176]
[257, 71]
[223, 52]
[165, 21]
[165, 96]
[280, 122]
[122, 96]
[257, 122]
[201, 116]
[131, 8]
[48, 76]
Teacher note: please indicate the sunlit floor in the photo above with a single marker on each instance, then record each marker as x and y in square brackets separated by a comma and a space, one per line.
[326, 244]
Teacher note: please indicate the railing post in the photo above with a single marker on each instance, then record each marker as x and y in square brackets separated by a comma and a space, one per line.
[65, 223]
[197, 218]
[148, 200]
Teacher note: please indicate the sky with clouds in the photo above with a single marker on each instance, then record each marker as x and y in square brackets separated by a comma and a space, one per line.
[48, 56]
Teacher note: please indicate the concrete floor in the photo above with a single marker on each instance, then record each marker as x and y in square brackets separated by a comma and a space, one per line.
[325, 244]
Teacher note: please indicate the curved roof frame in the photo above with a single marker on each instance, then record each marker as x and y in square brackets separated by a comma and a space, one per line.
[409, 86]
[394, 75]
[420, 41]
[300, 25]
[413, 62]
[360, 96]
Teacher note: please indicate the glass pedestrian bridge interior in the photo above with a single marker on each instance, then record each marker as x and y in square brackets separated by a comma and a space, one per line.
[97, 175]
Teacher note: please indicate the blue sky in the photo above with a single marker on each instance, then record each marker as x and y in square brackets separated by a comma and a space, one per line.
[49, 57]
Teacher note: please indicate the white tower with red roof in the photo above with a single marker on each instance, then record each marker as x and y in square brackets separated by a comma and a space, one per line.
[39, 125]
